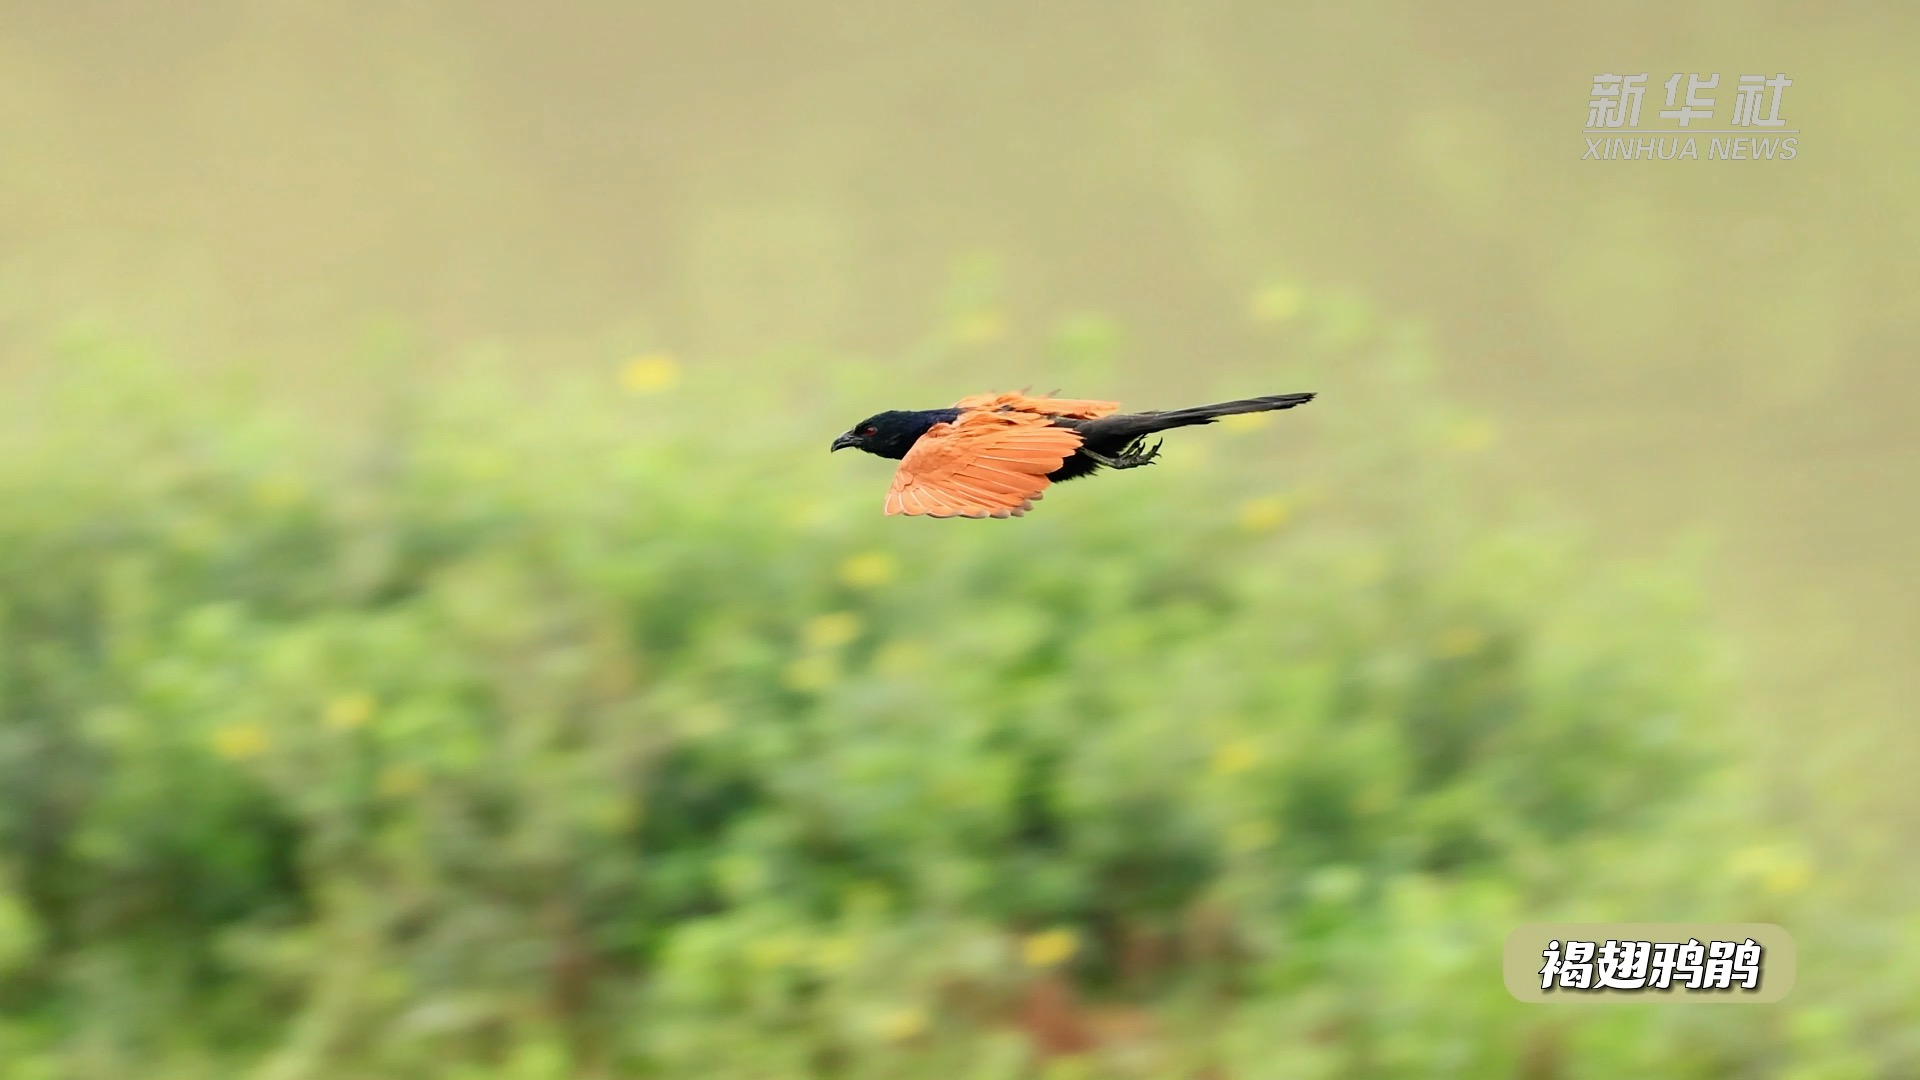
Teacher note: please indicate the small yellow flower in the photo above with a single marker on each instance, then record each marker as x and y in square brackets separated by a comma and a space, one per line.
[899, 1025]
[812, 674]
[832, 630]
[397, 781]
[1750, 861]
[239, 742]
[1275, 304]
[1250, 836]
[278, 492]
[1470, 436]
[1788, 878]
[980, 327]
[705, 721]
[1264, 514]
[650, 374]
[1779, 868]
[1234, 757]
[835, 954]
[774, 952]
[1251, 421]
[1076, 1066]
[902, 658]
[348, 712]
[868, 570]
[1049, 948]
[1458, 641]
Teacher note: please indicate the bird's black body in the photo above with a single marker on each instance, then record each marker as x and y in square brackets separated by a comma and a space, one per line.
[1116, 441]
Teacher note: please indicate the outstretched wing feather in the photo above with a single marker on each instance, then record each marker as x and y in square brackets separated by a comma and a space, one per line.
[1016, 402]
[985, 464]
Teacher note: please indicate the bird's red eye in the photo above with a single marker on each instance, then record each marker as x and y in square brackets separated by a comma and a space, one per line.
[869, 430]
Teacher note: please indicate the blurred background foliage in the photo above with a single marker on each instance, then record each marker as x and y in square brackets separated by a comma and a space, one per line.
[434, 641]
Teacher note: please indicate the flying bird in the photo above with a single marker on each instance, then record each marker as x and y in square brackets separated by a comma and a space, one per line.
[991, 455]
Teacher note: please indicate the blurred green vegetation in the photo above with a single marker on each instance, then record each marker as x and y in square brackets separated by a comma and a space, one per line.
[549, 728]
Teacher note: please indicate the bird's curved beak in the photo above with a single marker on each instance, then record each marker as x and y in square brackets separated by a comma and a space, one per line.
[844, 441]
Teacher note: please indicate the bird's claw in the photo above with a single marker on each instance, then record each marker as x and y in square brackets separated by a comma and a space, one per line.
[1136, 454]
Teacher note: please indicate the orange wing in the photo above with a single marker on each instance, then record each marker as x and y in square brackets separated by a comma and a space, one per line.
[1014, 401]
[985, 464]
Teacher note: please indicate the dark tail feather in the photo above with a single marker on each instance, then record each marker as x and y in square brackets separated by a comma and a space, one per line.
[1207, 414]
[1132, 425]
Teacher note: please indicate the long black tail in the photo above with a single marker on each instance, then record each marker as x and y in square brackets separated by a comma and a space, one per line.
[1127, 426]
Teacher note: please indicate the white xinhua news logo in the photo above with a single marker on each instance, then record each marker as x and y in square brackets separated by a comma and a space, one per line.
[1755, 132]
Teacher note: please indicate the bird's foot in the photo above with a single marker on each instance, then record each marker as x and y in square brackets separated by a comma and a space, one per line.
[1142, 454]
[1132, 456]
